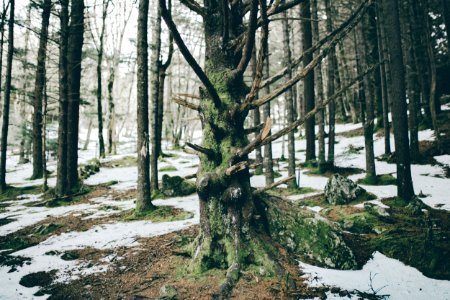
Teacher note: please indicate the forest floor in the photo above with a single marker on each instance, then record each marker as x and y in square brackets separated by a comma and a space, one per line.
[92, 247]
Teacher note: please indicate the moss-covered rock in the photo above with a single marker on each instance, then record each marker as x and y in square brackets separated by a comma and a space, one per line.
[341, 190]
[307, 235]
[92, 167]
[174, 186]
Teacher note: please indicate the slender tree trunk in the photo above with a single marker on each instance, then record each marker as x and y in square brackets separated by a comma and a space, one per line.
[61, 177]
[111, 110]
[384, 93]
[446, 14]
[256, 119]
[155, 64]
[367, 113]
[143, 201]
[74, 52]
[101, 142]
[38, 172]
[268, 161]
[88, 136]
[289, 103]
[319, 84]
[399, 115]
[330, 88]
[308, 89]
[6, 99]
[44, 137]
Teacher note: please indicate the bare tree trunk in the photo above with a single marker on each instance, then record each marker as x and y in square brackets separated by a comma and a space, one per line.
[308, 90]
[143, 201]
[330, 89]
[399, 115]
[88, 136]
[268, 161]
[101, 142]
[44, 137]
[6, 99]
[256, 120]
[111, 111]
[74, 52]
[319, 84]
[155, 64]
[38, 172]
[289, 104]
[61, 178]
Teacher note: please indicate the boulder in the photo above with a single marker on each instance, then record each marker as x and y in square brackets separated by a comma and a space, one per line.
[341, 190]
[176, 186]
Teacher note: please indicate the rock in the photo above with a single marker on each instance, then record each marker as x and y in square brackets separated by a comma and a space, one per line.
[341, 190]
[175, 186]
[168, 292]
[375, 209]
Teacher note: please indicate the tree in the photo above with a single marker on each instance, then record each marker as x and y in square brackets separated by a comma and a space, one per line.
[231, 236]
[399, 111]
[7, 95]
[331, 71]
[75, 44]
[308, 88]
[61, 177]
[38, 166]
[143, 201]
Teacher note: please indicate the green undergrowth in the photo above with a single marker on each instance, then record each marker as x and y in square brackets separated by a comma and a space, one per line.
[12, 192]
[126, 161]
[284, 192]
[159, 214]
[168, 169]
[385, 179]
[328, 171]
[90, 168]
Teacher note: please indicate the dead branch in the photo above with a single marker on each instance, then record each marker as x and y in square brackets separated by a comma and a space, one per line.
[186, 103]
[189, 96]
[350, 22]
[254, 129]
[187, 54]
[240, 166]
[194, 6]
[282, 88]
[206, 151]
[273, 185]
[260, 137]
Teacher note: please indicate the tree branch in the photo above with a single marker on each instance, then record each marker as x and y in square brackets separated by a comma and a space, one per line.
[194, 6]
[282, 88]
[273, 185]
[249, 41]
[350, 22]
[186, 103]
[207, 152]
[257, 140]
[187, 54]
[240, 166]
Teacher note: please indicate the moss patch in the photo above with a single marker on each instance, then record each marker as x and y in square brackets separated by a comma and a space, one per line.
[284, 192]
[168, 169]
[12, 193]
[41, 279]
[385, 179]
[126, 161]
[160, 214]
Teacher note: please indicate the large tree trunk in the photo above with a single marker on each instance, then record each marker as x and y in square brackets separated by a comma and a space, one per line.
[75, 45]
[308, 90]
[289, 102]
[101, 142]
[38, 92]
[61, 177]
[155, 64]
[399, 112]
[330, 88]
[6, 99]
[143, 200]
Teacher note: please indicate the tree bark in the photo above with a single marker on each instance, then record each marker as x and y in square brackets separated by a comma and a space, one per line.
[61, 177]
[399, 115]
[308, 90]
[268, 161]
[330, 88]
[289, 103]
[155, 64]
[38, 171]
[7, 98]
[143, 201]
[74, 51]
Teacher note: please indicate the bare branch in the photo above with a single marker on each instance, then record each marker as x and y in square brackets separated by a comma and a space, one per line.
[189, 96]
[187, 54]
[313, 112]
[240, 166]
[273, 185]
[186, 103]
[207, 152]
[261, 57]
[350, 22]
[249, 41]
[258, 139]
[194, 6]
[282, 88]
[254, 129]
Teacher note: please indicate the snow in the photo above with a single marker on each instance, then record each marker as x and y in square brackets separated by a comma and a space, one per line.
[383, 274]
[443, 159]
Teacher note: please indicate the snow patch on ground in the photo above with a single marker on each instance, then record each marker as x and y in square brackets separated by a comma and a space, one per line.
[383, 274]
